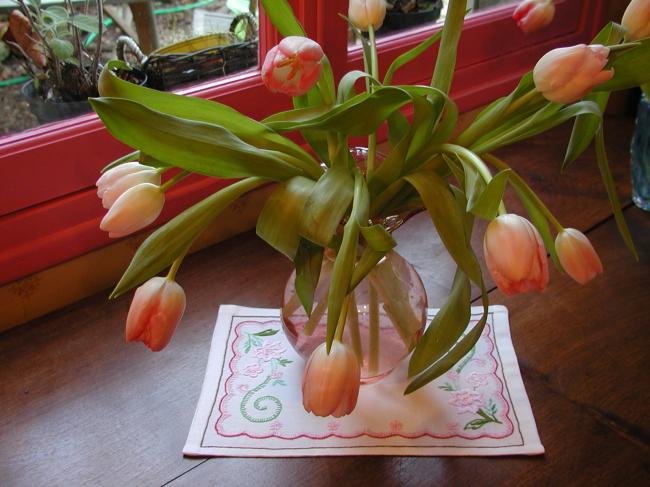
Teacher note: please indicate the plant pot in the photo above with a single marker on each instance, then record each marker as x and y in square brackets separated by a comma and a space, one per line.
[640, 151]
[47, 111]
[385, 319]
[405, 20]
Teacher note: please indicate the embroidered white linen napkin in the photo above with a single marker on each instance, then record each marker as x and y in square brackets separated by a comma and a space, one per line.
[251, 402]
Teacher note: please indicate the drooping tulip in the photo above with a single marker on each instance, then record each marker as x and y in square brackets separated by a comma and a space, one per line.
[364, 13]
[330, 383]
[117, 180]
[293, 66]
[577, 255]
[636, 20]
[515, 255]
[136, 208]
[156, 309]
[533, 15]
[567, 74]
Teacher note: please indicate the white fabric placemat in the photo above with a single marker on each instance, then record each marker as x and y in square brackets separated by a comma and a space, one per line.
[251, 402]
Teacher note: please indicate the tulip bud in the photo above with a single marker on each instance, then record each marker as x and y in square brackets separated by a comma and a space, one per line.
[363, 13]
[156, 309]
[636, 20]
[532, 15]
[293, 66]
[117, 180]
[136, 208]
[515, 255]
[330, 384]
[567, 74]
[577, 255]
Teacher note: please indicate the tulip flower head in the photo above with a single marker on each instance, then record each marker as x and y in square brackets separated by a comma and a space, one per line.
[577, 255]
[364, 13]
[515, 255]
[293, 66]
[117, 180]
[136, 208]
[533, 15]
[330, 384]
[156, 309]
[567, 74]
[636, 20]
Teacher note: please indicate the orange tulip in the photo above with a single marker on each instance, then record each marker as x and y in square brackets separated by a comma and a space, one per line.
[293, 66]
[515, 255]
[567, 74]
[577, 255]
[156, 309]
[533, 15]
[636, 20]
[330, 384]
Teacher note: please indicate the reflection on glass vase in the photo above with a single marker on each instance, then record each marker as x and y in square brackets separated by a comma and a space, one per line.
[641, 156]
[385, 317]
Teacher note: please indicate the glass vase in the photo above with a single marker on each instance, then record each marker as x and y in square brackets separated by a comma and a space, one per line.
[385, 317]
[641, 156]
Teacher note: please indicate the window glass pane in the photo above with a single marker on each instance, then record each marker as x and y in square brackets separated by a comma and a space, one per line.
[188, 41]
[406, 14]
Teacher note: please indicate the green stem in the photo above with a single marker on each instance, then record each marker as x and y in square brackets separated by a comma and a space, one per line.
[446, 59]
[476, 162]
[171, 275]
[174, 180]
[355, 336]
[500, 165]
[340, 326]
[374, 72]
[315, 317]
[373, 333]
[520, 102]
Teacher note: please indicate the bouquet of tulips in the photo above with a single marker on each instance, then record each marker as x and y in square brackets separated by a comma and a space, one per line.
[323, 200]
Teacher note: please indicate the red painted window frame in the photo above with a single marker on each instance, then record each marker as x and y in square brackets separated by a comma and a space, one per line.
[48, 209]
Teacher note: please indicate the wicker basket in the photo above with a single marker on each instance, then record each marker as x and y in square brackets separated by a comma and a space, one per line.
[208, 56]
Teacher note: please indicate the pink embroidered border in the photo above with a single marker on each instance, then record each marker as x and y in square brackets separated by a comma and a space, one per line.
[223, 403]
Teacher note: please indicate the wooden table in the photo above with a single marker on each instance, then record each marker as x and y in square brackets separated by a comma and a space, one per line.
[80, 407]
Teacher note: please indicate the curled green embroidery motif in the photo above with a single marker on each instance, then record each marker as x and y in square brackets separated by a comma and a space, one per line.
[259, 406]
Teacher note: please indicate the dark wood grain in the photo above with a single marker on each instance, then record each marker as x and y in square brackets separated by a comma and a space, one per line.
[80, 407]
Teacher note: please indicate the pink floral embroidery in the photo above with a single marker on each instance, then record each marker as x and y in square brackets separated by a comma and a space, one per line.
[253, 370]
[333, 426]
[275, 426]
[477, 380]
[454, 428]
[479, 361]
[242, 388]
[452, 375]
[269, 350]
[466, 401]
[395, 426]
[276, 374]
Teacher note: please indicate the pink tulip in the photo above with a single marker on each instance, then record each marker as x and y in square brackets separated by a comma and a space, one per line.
[567, 74]
[156, 309]
[533, 15]
[117, 180]
[515, 255]
[577, 255]
[136, 208]
[636, 20]
[293, 66]
[363, 13]
[330, 384]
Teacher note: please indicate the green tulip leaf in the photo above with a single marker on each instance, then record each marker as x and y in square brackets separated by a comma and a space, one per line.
[326, 205]
[198, 147]
[279, 221]
[409, 56]
[630, 68]
[172, 239]
[446, 327]
[446, 216]
[486, 205]
[308, 261]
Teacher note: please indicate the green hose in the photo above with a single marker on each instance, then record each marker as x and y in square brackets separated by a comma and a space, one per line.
[108, 22]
